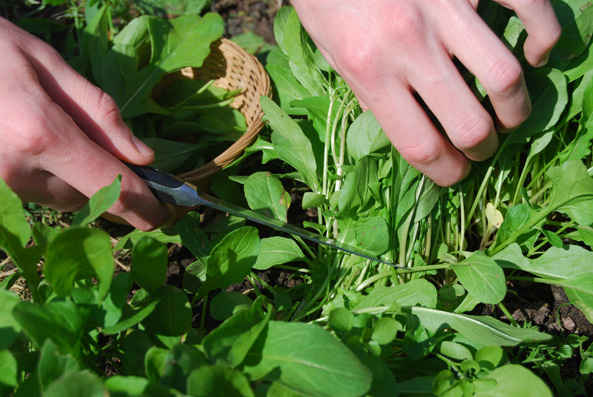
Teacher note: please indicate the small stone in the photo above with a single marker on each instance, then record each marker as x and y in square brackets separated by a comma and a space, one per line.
[568, 323]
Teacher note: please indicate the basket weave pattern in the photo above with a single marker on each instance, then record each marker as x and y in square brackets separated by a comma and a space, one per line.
[232, 68]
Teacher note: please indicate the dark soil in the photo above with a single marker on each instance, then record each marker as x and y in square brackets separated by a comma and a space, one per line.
[242, 16]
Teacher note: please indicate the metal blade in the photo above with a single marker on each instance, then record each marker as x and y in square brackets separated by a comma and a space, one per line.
[175, 191]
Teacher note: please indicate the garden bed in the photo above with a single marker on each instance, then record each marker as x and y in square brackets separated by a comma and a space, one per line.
[494, 293]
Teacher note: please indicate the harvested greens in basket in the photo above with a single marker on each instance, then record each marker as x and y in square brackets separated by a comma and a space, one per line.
[147, 69]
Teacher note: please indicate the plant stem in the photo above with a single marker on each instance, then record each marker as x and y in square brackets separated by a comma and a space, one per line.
[503, 308]
[373, 279]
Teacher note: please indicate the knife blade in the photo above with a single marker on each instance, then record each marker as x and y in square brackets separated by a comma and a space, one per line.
[173, 190]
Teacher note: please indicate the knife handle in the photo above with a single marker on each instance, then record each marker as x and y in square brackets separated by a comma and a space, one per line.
[167, 187]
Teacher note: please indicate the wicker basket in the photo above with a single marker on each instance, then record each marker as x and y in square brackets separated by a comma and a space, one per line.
[232, 68]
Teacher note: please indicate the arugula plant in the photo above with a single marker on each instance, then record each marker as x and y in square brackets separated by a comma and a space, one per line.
[345, 326]
[183, 120]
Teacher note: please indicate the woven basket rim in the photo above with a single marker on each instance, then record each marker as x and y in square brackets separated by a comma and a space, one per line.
[253, 78]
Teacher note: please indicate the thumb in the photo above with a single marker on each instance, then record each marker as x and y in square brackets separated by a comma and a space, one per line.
[93, 110]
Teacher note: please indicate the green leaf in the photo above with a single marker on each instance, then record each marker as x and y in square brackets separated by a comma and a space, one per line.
[355, 197]
[12, 217]
[185, 42]
[317, 109]
[99, 203]
[179, 363]
[365, 136]
[575, 18]
[217, 381]
[9, 326]
[415, 292]
[286, 137]
[131, 317]
[548, 90]
[341, 320]
[172, 156]
[311, 200]
[8, 369]
[15, 233]
[59, 321]
[277, 251]
[512, 380]
[169, 235]
[292, 39]
[580, 293]
[154, 362]
[52, 364]
[266, 195]
[231, 260]
[77, 384]
[307, 359]
[490, 357]
[570, 261]
[519, 226]
[149, 263]
[172, 315]
[77, 254]
[193, 237]
[384, 330]
[287, 86]
[229, 343]
[135, 386]
[454, 350]
[573, 191]
[227, 303]
[372, 236]
[177, 43]
[482, 277]
[481, 330]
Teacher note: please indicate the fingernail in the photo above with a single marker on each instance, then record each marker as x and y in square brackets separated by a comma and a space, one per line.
[143, 148]
[544, 61]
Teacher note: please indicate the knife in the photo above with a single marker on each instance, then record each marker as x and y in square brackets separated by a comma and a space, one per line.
[173, 190]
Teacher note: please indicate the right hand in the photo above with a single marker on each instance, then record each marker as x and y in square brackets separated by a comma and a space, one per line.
[62, 138]
[387, 50]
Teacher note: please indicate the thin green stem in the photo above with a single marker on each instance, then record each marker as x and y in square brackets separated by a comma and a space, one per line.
[508, 315]
[373, 279]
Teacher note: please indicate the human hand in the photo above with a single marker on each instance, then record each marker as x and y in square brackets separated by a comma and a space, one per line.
[62, 139]
[386, 50]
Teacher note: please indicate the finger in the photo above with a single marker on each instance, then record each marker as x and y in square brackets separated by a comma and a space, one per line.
[416, 138]
[478, 48]
[74, 158]
[467, 123]
[95, 112]
[332, 63]
[41, 187]
[542, 27]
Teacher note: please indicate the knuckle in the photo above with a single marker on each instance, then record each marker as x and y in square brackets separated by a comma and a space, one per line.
[504, 75]
[421, 156]
[358, 60]
[106, 106]
[471, 132]
[35, 135]
[407, 25]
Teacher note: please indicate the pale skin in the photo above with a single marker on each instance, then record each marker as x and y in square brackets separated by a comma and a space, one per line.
[387, 50]
[62, 139]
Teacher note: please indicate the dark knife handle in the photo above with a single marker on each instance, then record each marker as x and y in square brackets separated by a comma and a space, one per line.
[167, 187]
